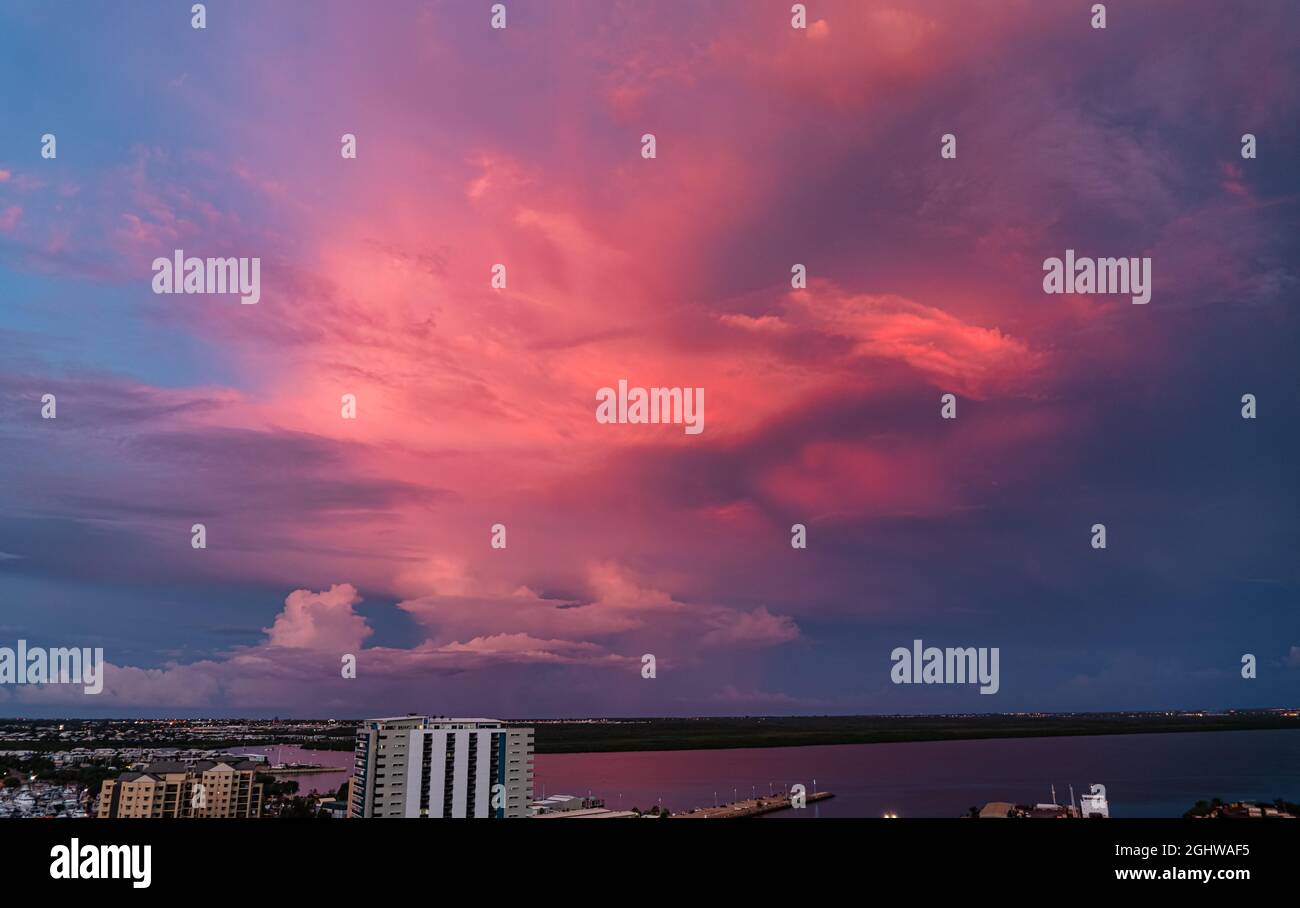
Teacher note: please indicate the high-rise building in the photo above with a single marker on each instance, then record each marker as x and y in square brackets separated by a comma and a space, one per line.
[206, 788]
[416, 766]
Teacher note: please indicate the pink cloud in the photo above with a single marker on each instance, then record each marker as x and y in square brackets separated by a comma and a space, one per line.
[476, 405]
[478, 627]
[320, 621]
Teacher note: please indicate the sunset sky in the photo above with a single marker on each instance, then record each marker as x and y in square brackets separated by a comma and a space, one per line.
[775, 146]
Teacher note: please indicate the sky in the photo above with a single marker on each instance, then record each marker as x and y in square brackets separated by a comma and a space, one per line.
[475, 405]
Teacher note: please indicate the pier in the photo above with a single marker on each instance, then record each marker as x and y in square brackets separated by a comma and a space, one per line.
[750, 807]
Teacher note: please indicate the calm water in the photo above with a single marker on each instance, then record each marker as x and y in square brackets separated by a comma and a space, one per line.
[1144, 775]
[323, 782]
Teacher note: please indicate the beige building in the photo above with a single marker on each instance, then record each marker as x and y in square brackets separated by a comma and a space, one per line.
[416, 766]
[202, 789]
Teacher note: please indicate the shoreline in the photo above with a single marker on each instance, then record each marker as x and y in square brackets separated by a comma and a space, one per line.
[543, 748]
[829, 740]
[632, 735]
[668, 735]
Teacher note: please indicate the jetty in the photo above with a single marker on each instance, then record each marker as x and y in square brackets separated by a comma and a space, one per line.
[749, 808]
[301, 770]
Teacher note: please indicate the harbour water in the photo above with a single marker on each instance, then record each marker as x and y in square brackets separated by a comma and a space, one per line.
[1157, 775]
[323, 782]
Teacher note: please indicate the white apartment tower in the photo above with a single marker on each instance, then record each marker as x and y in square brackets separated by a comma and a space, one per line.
[417, 766]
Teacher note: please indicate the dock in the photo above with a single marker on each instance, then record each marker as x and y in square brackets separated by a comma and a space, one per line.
[749, 808]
